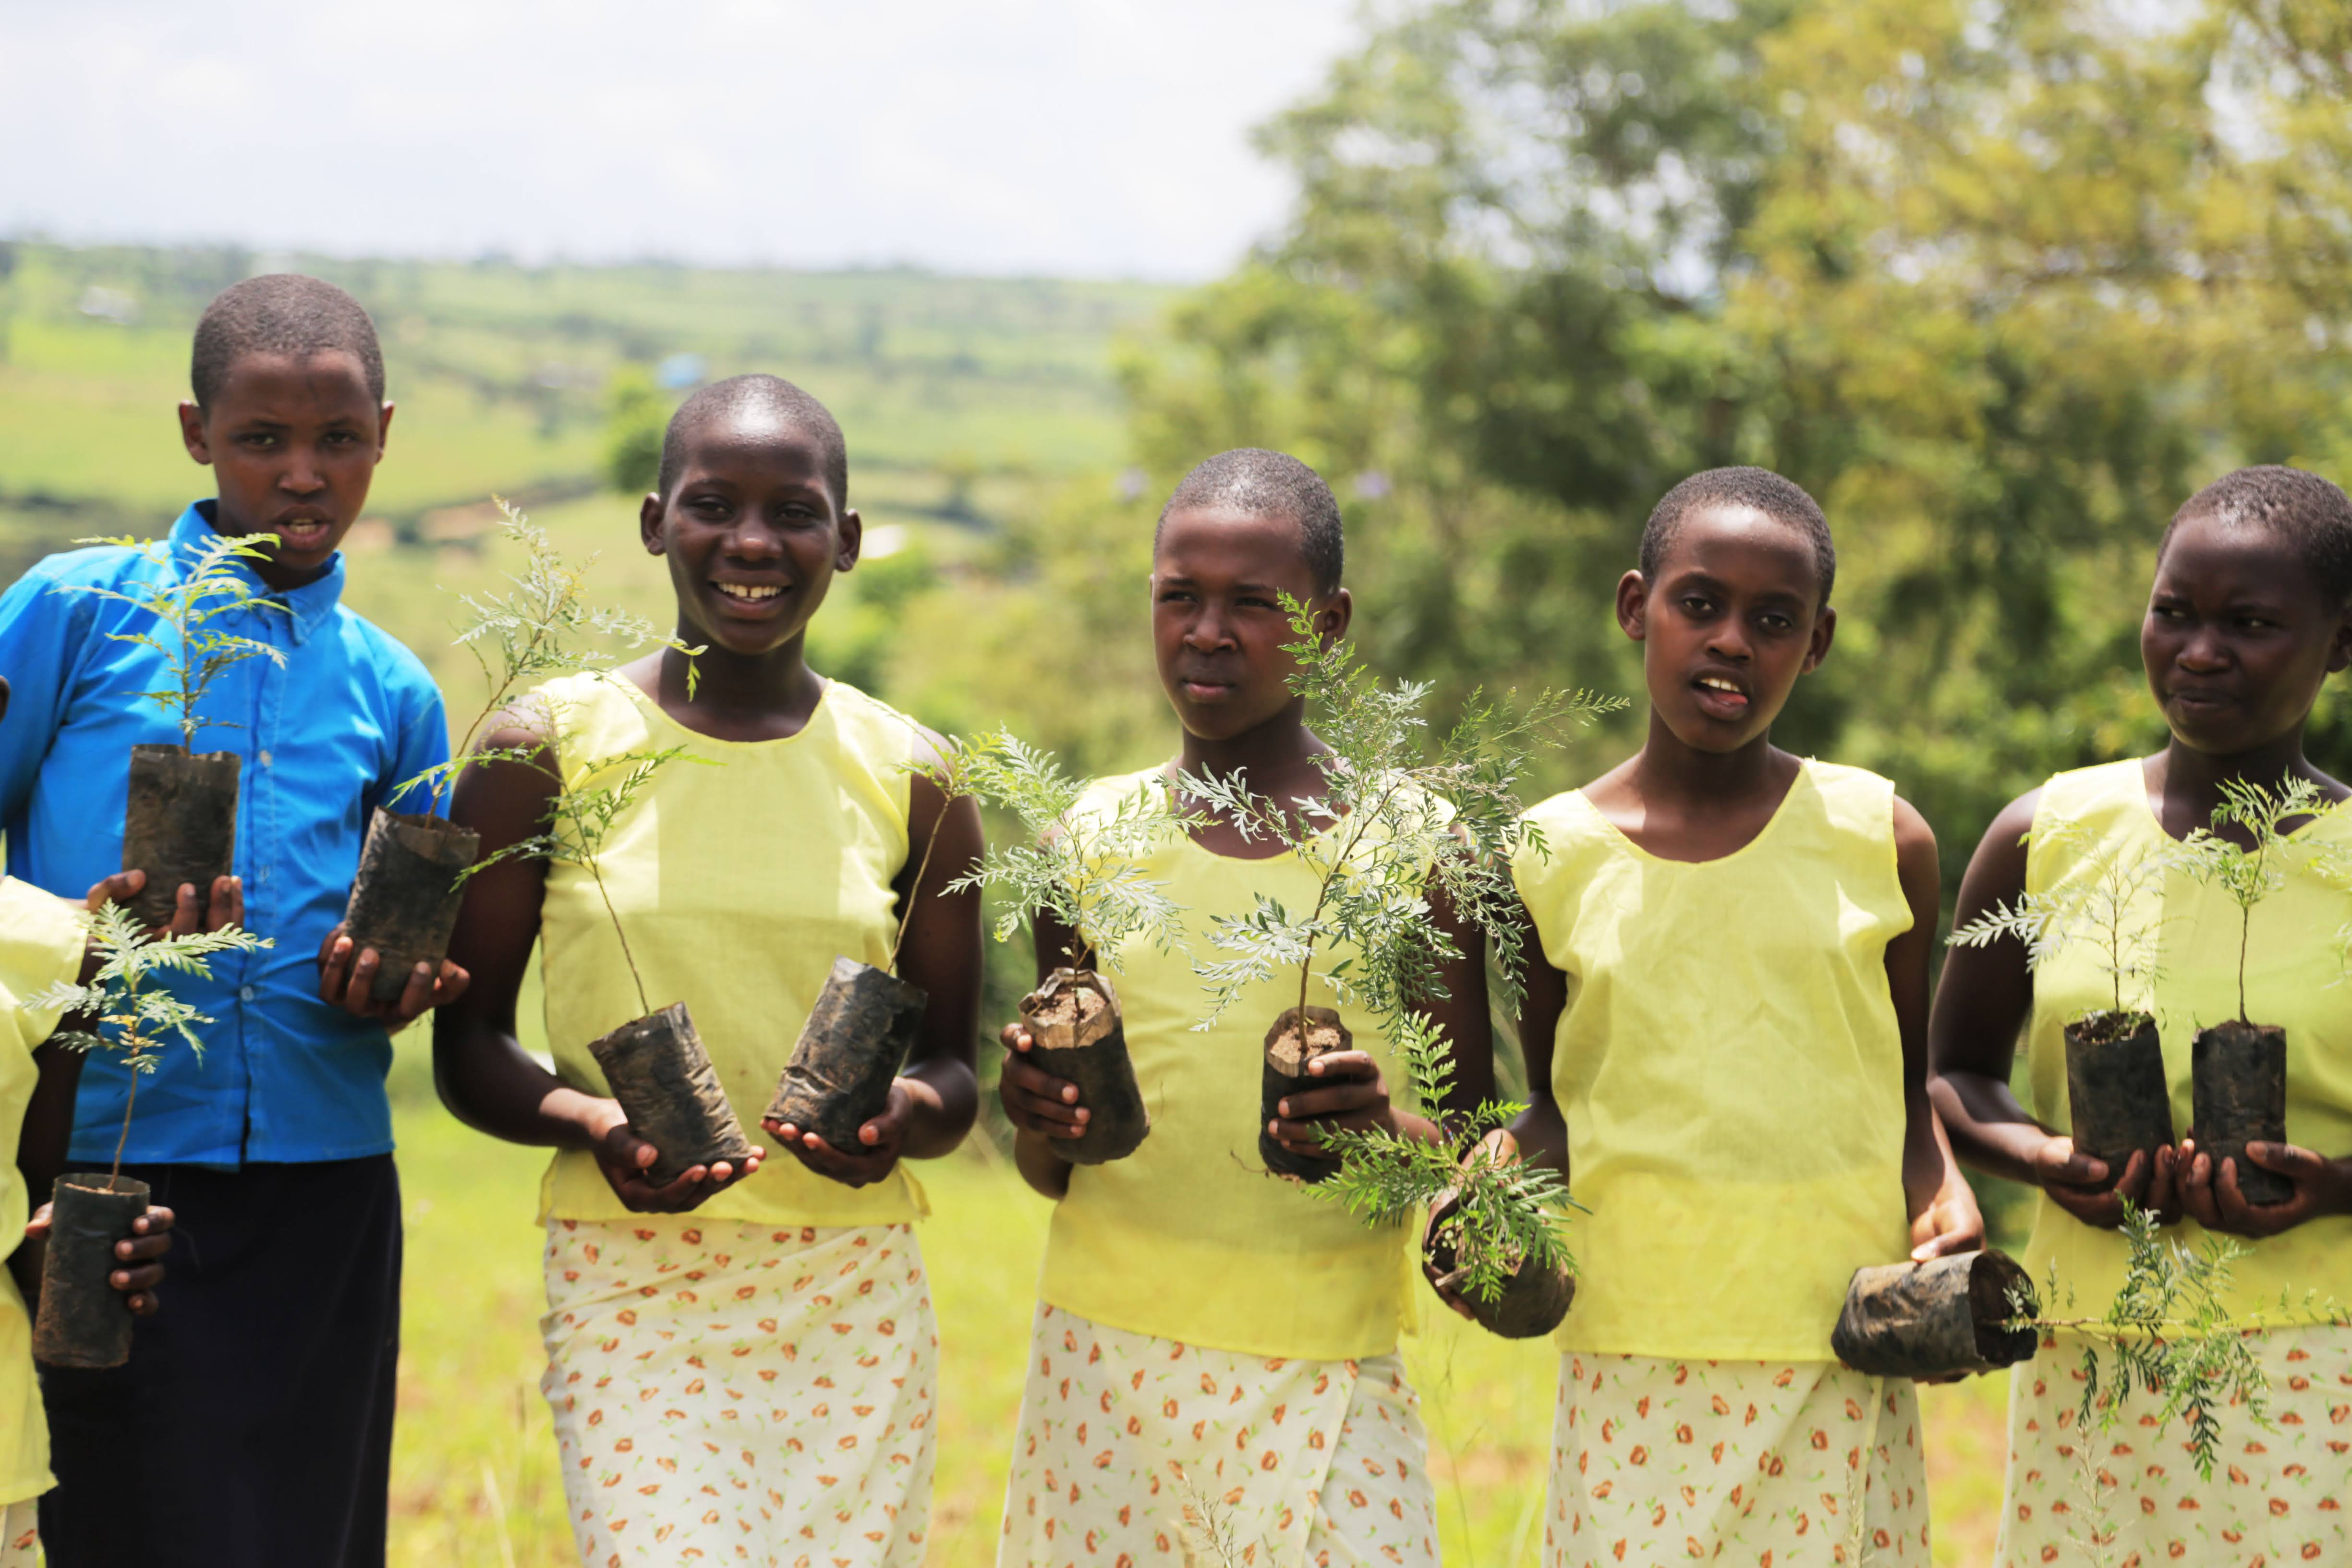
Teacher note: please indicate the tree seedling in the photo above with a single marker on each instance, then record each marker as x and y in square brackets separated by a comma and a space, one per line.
[1397, 826]
[2238, 1068]
[404, 902]
[2167, 1334]
[124, 1009]
[858, 1035]
[1083, 868]
[180, 824]
[2119, 1098]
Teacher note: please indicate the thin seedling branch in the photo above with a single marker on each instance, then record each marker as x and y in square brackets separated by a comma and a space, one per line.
[132, 1015]
[188, 603]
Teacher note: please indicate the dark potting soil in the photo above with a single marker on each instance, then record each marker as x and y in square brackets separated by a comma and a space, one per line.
[1939, 1319]
[404, 900]
[1532, 1303]
[661, 1075]
[180, 826]
[2119, 1100]
[2237, 1075]
[850, 1049]
[1288, 1052]
[1077, 1032]
[84, 1321]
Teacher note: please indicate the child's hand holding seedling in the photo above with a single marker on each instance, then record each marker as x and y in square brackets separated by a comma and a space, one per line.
[628, 1162]
[224, 906]
[1078, 879]
[2322, 1187]
[347, 975]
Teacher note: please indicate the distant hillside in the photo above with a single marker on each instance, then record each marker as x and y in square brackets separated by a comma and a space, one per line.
[501, 371]
[967, 401]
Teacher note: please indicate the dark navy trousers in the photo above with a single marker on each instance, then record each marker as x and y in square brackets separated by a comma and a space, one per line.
[252, 1425]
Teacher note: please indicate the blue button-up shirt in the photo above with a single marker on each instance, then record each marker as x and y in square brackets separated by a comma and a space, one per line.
[324, 739]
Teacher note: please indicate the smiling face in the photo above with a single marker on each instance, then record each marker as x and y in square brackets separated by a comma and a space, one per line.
[1733, 620]
[2237, 638]
[293, 441]
[1217, 622]
[752, 533]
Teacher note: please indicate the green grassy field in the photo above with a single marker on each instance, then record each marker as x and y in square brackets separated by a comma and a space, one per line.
[968, 403]
[474, 1474]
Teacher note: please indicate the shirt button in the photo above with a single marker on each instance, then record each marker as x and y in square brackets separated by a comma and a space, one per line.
[265, 761]
[245, 993]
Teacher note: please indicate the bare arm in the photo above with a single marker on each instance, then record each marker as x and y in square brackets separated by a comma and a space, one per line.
[1539, 1135]
[1943, 1211]
[941, 954]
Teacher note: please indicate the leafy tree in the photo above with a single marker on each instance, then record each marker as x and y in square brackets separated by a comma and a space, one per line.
[2002, 284]
[586, 800]
[635, 417]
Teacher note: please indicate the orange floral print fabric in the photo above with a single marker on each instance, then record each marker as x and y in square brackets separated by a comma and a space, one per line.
[1759, 1464]
[20, 1535]
[729, 1393]
[2277, 1497]
[1321, 1463]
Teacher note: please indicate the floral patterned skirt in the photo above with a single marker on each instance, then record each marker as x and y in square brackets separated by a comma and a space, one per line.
[2278, 1496]
[1136, 1450]
[727, 1393]
[1762, 1464]
[20, 1534]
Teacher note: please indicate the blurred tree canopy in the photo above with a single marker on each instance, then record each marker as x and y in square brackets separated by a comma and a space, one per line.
[2001, 284]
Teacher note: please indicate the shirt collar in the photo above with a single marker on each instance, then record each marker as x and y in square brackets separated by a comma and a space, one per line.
[307, 605]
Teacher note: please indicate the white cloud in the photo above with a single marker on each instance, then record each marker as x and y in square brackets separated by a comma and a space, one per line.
[1089, 137]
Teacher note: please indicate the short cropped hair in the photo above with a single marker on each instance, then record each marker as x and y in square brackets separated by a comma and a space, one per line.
[769, 394]
[1259, 483]
[2311, 514]
[1783, 500]
[280, 313]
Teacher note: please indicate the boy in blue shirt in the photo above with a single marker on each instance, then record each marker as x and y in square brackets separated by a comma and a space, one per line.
[265, 1398]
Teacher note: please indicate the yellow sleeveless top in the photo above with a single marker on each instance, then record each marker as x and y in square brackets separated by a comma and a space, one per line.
[2294, 978]
[1730, 1071]
[1190, 1239]
[738, 886]
[40, 944]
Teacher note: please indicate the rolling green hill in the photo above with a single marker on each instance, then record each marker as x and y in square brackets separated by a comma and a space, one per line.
[965, 400]
[501, 370]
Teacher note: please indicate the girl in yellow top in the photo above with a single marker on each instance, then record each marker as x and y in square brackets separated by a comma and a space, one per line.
[2247, 616]
[1726, 1046]
[740, 1361]
[1209, 1332]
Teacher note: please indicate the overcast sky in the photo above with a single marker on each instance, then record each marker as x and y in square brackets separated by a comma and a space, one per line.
[1073, 137]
